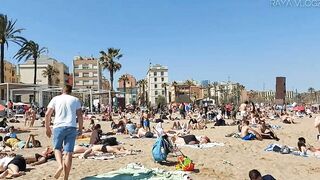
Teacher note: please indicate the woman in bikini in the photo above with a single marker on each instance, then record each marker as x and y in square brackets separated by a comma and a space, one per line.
[90, 151]
[189, 140]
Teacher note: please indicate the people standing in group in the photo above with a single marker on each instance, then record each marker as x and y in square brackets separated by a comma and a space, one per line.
[68, 112]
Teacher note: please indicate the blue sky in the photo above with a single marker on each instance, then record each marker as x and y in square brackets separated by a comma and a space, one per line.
[250, 41]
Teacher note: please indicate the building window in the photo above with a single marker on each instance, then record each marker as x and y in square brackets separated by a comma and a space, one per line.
[162, 79]
[85, 66]
[155, 73]
[162, 73]
[85, 74]
[155, 79]
[156, 93]
[156, 86]
[162, 92]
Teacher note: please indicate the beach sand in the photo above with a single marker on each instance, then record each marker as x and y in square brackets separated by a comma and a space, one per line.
[209, 163]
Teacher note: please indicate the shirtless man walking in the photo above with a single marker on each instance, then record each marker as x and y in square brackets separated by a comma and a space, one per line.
[67, 110]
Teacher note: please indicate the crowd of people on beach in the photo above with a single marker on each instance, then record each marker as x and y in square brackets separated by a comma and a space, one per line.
[251, 122]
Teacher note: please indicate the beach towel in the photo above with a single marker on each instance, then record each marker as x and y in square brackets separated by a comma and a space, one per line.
[134, 171]
[104, 156]
[283, 149]
[235, 135]
[204, 146]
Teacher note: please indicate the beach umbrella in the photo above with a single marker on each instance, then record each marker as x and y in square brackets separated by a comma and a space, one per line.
[299, 108]
[2, 107]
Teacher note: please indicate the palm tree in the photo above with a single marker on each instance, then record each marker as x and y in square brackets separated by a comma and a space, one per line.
[311, 90]
[8, 33]
[30, 49]
[124, 78]
[165, 85]
[175, 84]
[108, 61]
[142, 83]
[50, 72]
[189, 83]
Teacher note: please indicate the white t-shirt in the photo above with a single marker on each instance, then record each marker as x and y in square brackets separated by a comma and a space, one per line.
[4, 162]
[65, 107]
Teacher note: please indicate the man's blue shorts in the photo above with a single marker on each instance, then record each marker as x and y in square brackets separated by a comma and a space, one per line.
[64, 138]
[249, 136]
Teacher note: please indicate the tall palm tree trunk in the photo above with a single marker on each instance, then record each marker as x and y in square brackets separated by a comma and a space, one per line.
[35, 77]
[2, 68]
[190, 93]
[111, 87]
[124, 89]
[165, 94]
[143, 95]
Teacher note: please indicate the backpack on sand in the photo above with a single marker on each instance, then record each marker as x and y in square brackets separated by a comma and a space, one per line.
[161, 149]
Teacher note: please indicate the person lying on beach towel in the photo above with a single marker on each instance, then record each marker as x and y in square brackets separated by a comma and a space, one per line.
[90, 151]
[304, 147]
[47, 154]
[248, 133]
[16, 143]
[189, 139]
[12, 165]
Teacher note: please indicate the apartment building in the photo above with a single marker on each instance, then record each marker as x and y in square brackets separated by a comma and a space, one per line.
[26, 71]
[131, 88]
[10, 72]
[86, 73]
[156, 76]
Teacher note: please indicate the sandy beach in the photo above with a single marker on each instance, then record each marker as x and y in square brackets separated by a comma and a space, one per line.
[232, 161]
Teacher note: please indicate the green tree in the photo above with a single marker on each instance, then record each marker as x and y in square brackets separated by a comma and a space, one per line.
[311, 90]
[109, 62]
[124, 78]
[165, 85]
[30, 49]
[8, 33]
[161, 101]
[189, 83]
[175, 84]
[142, 83]
[50, 72]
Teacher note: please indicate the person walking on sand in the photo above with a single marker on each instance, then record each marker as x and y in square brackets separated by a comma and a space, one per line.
[67, 111]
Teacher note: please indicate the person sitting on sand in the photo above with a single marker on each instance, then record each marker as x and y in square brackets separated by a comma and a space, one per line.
[143, 133]
[118, 128]
[317, 125]
[12, 165]
[266, 132]
[220, 121]
[95, 137]
[47, 154]
[189, 140]
[4, 125]
[90, 151]
[256, 175]
[303, 147]
[286, 118]
[131, 128]
[248, 133]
